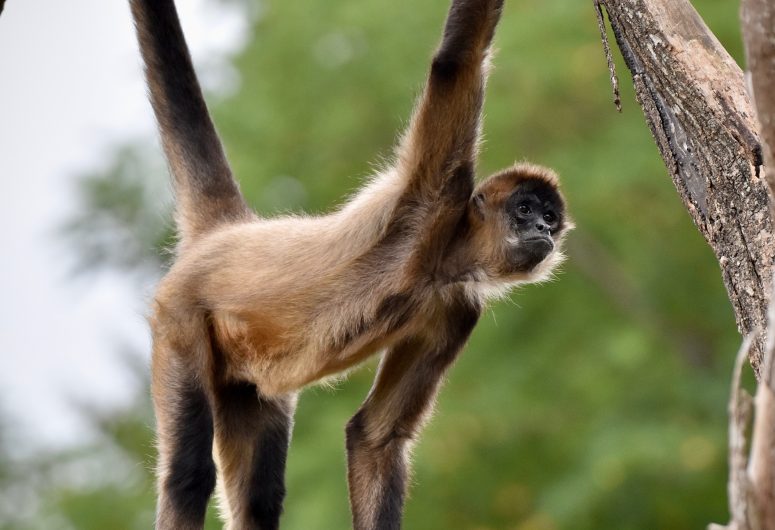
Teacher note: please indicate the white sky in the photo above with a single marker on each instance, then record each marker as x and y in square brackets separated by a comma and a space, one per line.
[70, 88]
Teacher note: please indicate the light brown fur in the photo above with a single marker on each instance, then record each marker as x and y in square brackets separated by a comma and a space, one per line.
[253, 310]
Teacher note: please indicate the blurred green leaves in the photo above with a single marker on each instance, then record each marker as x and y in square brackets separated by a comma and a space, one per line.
[122, 221]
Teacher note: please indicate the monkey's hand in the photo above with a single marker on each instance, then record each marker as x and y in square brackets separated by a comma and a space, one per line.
[468, 31]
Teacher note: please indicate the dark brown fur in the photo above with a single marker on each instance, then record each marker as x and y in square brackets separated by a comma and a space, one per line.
[255, 309]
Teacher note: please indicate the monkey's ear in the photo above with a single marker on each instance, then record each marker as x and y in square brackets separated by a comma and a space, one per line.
[477, 206]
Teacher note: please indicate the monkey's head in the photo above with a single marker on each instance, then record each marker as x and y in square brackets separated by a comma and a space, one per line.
[519, 222]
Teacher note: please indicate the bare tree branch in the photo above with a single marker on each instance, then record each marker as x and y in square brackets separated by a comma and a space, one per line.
[758, 20]
[739, 487]
[758, 25]
[761, 469]
[751, 484]
[694, 98]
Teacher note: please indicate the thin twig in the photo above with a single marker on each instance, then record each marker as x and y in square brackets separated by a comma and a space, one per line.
[608, 56]
[762, 460]
[740, 408]
[768, 362]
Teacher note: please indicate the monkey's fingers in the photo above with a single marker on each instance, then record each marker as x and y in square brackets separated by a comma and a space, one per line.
[469, 29]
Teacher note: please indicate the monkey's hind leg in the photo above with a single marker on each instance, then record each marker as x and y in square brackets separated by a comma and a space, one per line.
[252, 434]
[184, 427]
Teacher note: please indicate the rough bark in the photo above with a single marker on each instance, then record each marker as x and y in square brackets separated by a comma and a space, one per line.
[694, 98]
[758, 25]
[758, 21]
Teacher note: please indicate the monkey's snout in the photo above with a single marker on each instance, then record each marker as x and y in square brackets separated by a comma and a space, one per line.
[537, 249]
[538, 245]
[530, 252]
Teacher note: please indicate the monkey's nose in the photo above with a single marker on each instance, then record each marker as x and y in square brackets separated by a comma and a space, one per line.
[541, 227]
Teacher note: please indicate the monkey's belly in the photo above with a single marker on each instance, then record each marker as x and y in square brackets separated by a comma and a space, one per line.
[278, 360]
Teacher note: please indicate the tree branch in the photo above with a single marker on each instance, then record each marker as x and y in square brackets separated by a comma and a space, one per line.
[758, 24]
[694, 99]
[758, 21]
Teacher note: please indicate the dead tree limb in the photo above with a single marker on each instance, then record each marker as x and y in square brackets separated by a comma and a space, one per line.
[695, 101]
[761, 468]
[758, 28]
[694, 98]
[740, 410]
[751, 486]
[758, 24]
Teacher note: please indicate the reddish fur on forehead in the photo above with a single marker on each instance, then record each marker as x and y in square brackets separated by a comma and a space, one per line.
[499, 186]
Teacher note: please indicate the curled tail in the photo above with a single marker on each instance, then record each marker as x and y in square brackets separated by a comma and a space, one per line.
[205, 189]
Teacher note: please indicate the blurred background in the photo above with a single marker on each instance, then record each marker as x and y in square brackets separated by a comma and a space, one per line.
[597, 401]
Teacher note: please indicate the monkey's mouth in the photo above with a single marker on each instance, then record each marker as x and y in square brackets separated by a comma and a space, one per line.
[530, 252]
[537, 244]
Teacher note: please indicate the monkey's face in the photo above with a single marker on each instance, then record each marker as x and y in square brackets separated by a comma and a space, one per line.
[519, 222]
[535, 215]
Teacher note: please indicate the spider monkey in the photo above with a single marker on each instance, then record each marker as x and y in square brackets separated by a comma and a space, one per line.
[255, 309]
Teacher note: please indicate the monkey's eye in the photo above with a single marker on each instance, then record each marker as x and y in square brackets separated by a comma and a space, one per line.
[549, 217]
[524, 209]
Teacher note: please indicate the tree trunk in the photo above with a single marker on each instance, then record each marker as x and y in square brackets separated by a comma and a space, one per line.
[694, 98]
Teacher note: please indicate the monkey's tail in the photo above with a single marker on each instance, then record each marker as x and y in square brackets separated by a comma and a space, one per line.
[206, 192]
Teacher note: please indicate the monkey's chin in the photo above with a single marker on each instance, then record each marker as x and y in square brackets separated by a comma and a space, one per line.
[529, 253]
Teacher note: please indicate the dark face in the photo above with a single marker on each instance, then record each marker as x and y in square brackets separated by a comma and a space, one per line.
[535, 211]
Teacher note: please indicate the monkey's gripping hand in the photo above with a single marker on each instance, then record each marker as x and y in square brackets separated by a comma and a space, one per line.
[468, 32]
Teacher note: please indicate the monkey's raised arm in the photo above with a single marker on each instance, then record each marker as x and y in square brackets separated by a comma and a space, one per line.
[441, 142]
[205, 188]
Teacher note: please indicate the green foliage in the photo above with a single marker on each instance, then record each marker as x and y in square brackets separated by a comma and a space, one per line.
[597, 402]
[119, 224]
